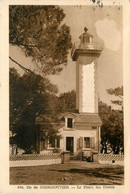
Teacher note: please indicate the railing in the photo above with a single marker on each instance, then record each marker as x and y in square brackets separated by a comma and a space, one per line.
[91, 46]
[35, 160]
[35, 157]
[111, 159]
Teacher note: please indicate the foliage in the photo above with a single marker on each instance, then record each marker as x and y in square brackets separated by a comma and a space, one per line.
[39, 31]
[112, 128]
[67, 102]
[29, 99]
[118, 92]
[32, 96]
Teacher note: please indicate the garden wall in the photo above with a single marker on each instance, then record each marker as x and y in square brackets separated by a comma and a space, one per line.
[35, 160]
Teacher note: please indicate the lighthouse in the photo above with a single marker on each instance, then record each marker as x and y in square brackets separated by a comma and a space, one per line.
[86, 55]
[80, 132]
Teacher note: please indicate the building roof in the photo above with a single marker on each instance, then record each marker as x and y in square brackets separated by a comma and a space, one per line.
[67, 115]
[88, 118]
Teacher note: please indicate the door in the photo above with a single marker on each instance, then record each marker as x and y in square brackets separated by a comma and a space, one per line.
[70, 144]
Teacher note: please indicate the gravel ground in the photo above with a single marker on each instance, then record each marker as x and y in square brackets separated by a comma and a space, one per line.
[73, 173]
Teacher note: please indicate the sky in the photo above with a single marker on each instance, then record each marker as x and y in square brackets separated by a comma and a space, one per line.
[105, 24]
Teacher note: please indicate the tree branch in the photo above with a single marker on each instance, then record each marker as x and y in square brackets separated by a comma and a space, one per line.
[21, 66]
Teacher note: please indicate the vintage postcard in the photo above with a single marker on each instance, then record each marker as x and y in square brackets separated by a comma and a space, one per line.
[64, 96]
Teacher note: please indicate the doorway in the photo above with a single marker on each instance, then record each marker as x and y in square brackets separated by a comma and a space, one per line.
[70, 144]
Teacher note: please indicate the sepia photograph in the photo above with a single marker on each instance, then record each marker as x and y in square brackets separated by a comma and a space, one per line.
[66, 95]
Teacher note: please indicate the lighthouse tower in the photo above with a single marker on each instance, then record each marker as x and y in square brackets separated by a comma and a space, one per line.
[86, 55]
[81, 132]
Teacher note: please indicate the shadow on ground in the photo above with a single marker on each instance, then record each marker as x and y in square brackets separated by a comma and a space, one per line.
[108, 173]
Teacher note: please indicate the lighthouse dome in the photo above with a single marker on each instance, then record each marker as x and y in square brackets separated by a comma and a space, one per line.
[86, 40]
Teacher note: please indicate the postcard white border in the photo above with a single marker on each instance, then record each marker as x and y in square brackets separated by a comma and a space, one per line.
[4, 96]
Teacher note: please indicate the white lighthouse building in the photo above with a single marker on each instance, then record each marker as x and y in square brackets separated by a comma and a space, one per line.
[80, 132]
[86, 57]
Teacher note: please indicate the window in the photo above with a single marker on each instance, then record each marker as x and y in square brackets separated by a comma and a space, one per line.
[87, 142]
[52, 143]
[57, 143]
[69, 122]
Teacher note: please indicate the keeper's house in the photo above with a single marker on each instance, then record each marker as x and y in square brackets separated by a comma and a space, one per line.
[77, 132]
